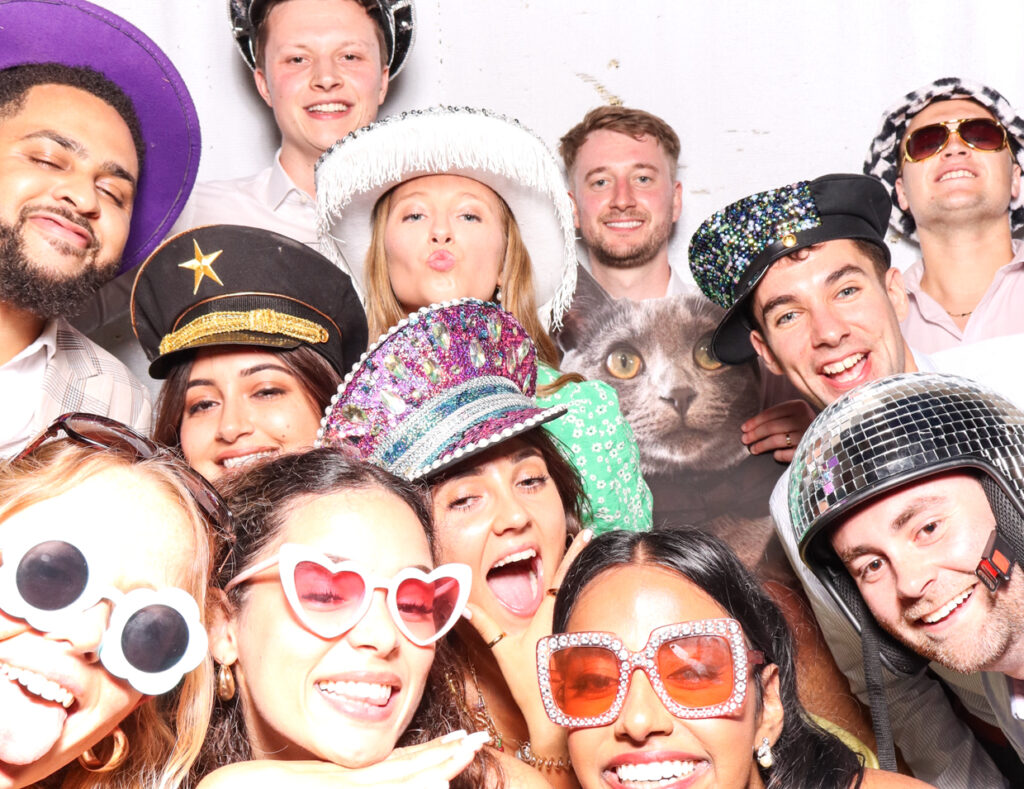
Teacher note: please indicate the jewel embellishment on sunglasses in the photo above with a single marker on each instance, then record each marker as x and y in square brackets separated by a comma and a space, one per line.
[981, 134]
[330, 597]
[153, 637]
[698, 670]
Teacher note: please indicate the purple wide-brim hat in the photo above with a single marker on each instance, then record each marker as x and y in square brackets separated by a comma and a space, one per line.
[445, 383]
[77, 33]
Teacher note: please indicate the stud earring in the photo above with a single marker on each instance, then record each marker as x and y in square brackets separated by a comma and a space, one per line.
[764, 754]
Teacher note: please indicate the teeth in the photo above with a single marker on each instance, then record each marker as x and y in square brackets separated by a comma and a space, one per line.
[957, 174]
[947, 609]
[625, 224]
[529, 553]
[241, 460]
[838, 367]
[368, 691]
[654, 773]
[332, 107]
[38, 685]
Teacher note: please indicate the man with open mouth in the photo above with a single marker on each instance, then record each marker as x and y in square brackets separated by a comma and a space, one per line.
[804, 274]
[950, 155]
[906, 499]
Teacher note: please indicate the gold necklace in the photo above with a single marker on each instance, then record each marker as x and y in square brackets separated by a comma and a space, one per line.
[480, 715]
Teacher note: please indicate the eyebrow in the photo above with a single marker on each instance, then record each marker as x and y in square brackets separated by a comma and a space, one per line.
[242, 374]
[80, 152]
[908, 513]
[831, 279]
[518, 457]
[604, 167]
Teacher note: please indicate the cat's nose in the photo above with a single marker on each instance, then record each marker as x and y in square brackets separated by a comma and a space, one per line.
[679, 398]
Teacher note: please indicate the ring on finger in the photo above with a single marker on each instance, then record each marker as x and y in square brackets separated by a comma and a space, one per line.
[553, 591]
[789, 441]
[495, 640]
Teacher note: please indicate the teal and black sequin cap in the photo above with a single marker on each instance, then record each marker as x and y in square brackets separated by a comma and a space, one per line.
[734, 247]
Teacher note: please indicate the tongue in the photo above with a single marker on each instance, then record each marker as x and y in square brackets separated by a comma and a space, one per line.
[29, 726]
[515, 586]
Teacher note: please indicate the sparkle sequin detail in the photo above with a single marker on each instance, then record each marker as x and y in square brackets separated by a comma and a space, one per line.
[895, 430]
[726, 243]
[644, 659]
[438, 387]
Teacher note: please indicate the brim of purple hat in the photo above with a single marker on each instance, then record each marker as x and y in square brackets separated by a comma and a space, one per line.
[77, 33]
[485, 434]
[883, 158]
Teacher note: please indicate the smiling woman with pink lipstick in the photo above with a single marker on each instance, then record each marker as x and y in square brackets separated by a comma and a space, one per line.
[716, 705]
[251, 331]
[330, 665]
[103, 576]
[453, 202]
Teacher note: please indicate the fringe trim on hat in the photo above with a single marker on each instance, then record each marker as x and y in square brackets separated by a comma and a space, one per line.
[441, 139]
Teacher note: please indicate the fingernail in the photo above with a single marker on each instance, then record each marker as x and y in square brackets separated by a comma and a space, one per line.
[467, 614]
[477, 739]
[587, 535]
[452, 736]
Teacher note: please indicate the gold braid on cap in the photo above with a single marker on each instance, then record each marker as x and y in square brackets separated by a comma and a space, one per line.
[262, 321]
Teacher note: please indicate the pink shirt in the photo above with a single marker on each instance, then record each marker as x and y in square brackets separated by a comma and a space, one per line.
[928, 328]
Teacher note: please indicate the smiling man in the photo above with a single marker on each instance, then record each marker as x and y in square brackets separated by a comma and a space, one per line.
[323, 67]
[622, 167]
[81, 198]
[803, 272]
[950, 154]
[907, 495]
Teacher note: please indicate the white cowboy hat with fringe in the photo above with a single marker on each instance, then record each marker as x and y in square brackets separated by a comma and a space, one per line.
[490, 148]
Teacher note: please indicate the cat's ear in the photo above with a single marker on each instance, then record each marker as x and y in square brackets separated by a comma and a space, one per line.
[758, 341]
[587, 301]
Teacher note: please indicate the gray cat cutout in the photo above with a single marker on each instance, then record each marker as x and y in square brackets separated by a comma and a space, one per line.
[685, 409]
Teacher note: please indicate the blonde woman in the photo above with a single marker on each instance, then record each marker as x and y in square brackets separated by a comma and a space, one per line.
[105, 679]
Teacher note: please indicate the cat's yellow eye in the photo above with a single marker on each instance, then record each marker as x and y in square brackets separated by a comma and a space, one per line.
[702, 354]
[623, 363]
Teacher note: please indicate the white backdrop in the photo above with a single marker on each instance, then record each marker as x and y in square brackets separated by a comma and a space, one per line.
[762, 92]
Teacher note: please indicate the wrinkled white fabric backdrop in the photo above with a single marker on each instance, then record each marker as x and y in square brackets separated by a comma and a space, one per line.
[761, 92]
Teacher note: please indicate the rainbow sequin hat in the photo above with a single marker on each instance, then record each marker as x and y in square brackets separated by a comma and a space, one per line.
[733, 248]
[447, 382]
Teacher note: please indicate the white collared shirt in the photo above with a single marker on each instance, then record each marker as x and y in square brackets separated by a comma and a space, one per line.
[269, 199]
[21, 380]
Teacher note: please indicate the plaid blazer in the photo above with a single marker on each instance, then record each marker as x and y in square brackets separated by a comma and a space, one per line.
[82, 376]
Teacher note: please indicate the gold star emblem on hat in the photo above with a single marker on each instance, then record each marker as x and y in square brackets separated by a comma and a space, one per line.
[202, 266]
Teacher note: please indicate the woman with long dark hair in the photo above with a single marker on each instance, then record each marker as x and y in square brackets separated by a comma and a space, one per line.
[329, 636]
[251, 332]
[669, 663]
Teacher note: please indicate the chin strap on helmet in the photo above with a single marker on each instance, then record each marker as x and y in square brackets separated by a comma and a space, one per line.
[1005, 544]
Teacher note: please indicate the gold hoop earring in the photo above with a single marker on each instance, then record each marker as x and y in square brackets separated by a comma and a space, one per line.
[118, 754]
[225, 682]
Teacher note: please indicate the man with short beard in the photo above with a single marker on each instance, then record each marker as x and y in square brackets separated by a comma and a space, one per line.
[907, 498]
[622, 165]
[95, 164]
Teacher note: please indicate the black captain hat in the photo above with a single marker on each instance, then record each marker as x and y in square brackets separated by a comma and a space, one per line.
[733, 248]
[225, 285]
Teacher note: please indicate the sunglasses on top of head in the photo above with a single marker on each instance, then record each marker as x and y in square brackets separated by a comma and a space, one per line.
[92, 430]
[329, 597]
[153, 636]
[698, 669]
[981, 134]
